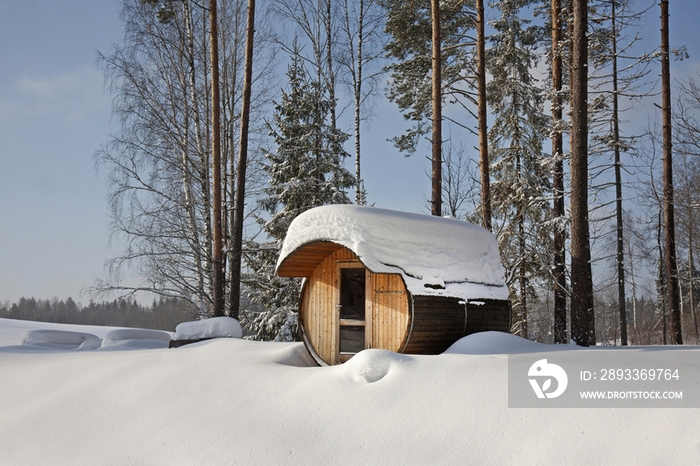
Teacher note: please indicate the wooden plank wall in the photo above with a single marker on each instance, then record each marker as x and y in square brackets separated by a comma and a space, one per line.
[491, 315]
[439, 322]
[390, 314]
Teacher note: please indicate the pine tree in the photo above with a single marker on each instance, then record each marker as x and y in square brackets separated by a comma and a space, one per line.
[616, 75]
[669, 215]
[520, 181]
[409, 25]
[582, 310]
[304, 171]
[558, 211]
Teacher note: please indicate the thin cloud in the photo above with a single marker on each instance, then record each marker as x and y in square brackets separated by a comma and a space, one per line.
[67, 97]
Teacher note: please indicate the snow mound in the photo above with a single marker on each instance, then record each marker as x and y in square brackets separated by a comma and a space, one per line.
[216, 327]
[56, 337]
[295, 355]
[372, 365]
[436, 256]
[135, 334]
[500, 343]
[133, 344]
[91, 344]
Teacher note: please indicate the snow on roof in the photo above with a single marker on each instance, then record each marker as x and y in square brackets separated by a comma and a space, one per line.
[436, 256]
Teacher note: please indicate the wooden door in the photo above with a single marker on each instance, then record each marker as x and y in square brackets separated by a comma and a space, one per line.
[353, 311]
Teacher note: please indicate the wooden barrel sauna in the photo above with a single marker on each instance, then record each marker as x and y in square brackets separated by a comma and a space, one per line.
[353, 299]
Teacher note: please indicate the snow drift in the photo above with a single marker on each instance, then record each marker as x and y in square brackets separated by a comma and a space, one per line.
[231, 401]
[215, 327]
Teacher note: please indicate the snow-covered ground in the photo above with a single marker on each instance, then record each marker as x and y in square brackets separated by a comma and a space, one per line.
[230, 401]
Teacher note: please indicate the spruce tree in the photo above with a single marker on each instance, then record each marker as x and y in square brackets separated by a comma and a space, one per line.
[305, 171]
[520, 181]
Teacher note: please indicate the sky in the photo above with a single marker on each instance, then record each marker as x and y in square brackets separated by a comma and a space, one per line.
[55, 114]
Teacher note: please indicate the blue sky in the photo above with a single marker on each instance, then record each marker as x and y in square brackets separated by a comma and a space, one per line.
[54, 115]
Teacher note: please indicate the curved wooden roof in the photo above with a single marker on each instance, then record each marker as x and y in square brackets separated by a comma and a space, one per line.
[304, 260]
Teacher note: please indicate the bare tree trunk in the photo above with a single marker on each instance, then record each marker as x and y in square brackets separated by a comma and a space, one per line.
[521, 271]
[231, 72]
[359, 189]
[618, 190]
[242, 162]
[558, 182]
[205, 165]
[690, 282]
[669, 221]
[662, 279]
[436, 202]
[329, 59]
[633, 282]
[218, 279]
[581, 286]
[200, 151]
[189, 208]
[483, 124]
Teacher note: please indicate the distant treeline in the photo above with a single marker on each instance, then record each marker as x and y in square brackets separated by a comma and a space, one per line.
[163, 314]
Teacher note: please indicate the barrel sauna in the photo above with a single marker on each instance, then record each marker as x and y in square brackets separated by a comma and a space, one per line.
[376, 278]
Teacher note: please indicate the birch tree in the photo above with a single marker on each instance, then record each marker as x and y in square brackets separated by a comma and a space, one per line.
[361, 51]
[687, 169]
[159, 155]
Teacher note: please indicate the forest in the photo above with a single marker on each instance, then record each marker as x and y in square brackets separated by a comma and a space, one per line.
[162, 314]
[221, 137]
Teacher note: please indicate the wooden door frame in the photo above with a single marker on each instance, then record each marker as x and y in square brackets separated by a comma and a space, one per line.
[336, 357]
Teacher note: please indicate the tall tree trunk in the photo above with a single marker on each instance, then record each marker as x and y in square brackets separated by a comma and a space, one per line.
[662, 284]
[618, 190]
[483, 124]
[329, 59]
[234, 267]
[558, 181]
[521, 268]
[633, 282]
[218, 254]
[205, 165]
[242, 162]
[193, 107]
[436, 202]
[634, 306]
[669, 222]
[581, 283]
[357, 90]
[691, 286]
